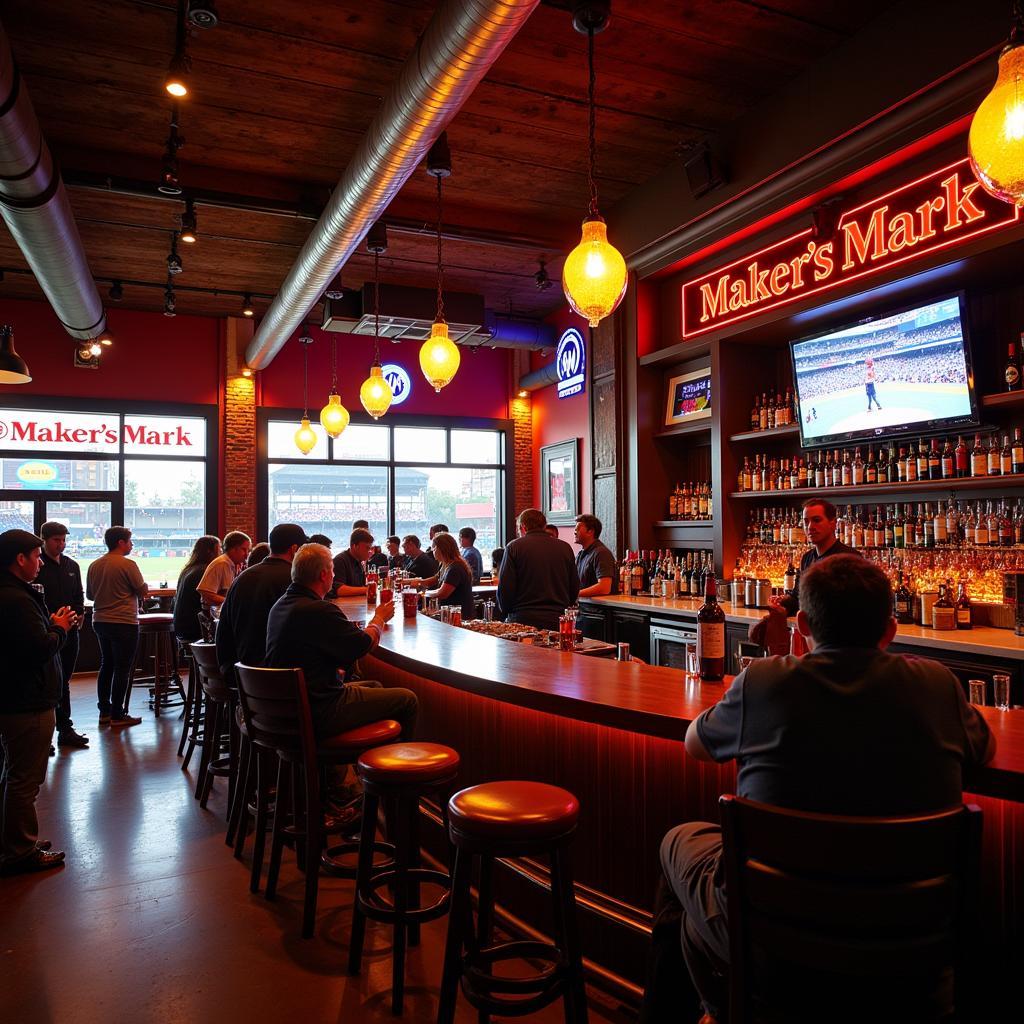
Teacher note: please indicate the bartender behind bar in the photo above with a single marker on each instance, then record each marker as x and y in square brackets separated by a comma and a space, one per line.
[819, 518]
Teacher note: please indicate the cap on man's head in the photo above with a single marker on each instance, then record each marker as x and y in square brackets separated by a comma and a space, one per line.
[17, 542]
[53, 529]
[284, 535]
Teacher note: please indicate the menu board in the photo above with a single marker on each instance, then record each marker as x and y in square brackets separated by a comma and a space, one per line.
[689, 397]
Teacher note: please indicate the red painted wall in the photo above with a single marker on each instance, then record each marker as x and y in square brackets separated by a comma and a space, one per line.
[480, 388]
[557, 419]
[154, 357]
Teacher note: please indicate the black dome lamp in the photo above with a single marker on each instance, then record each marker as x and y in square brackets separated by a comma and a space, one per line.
[13, 369]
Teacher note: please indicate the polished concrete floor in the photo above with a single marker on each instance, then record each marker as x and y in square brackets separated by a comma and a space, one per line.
[151, 919]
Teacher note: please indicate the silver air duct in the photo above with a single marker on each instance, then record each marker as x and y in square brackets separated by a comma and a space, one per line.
[35, 206]
[464, 38]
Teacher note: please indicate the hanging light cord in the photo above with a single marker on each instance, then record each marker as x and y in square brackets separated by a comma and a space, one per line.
[592, 164]
[440, 265]
[334, 365]
[305, 380]
[376, 307]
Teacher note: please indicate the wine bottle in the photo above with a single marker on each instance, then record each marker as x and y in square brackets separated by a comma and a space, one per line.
[711, 634]
[1011, 373]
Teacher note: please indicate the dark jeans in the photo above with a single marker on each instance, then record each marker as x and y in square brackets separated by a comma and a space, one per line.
[118, 642]
[68, 657]
[689, 926]
[26, 747]
[365, 702]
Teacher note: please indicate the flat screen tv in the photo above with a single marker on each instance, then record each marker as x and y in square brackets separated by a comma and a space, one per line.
[903, 372]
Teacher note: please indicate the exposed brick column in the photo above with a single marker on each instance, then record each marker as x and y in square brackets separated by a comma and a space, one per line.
[521, 410]
[238, 494]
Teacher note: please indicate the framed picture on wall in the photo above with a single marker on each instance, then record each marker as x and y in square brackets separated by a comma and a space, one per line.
[560, 482]
[689, 397]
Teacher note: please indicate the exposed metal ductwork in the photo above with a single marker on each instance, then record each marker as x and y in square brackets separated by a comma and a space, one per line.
[35, 207]
[508, 333]
[462, 41]
[539, 378]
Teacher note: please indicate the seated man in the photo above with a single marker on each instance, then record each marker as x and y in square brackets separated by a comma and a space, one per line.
[847, 729]
[349, 575]
[417, 561]
[469, 551]
[396, 560]
[224, 569]
[307, 632]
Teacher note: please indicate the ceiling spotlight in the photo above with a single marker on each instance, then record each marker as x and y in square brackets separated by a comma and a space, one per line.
[188, 222]
[174, 264]
[169, 184]
[524, 394]
[105, 337]
[94, 348]
[176, 82]
[246, 371]
[169, 301]
[541, 277]
[247, 309]
[115, 291]
[202, 14]
[335, 290]
[107, 342]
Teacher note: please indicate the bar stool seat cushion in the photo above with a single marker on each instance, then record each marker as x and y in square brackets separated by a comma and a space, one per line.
[349, 745]
[513, 810]
[408, 763]
[156, 622]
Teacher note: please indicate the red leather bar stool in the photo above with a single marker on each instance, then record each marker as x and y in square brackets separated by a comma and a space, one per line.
[156, 643]
[511, 819]
[400, 773]
[275, 709]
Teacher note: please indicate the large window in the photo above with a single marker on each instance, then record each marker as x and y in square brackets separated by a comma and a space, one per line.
[91, 468]
[402, 477]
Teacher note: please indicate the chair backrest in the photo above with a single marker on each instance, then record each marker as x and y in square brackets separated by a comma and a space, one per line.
[845, 909]
[210, 676]
[275, 708]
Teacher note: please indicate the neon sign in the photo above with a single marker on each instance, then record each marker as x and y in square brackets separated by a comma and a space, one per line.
[571, 361]
[943, 208]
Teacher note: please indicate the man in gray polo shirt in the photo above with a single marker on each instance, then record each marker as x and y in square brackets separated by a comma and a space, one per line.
[595, 564]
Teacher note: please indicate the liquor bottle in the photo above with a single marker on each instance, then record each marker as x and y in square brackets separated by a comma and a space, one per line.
[993, 458]
[980, 528]
[819, 471]
[943, 613]
[889, 529]
[1005, 527]
[625, 576]
[711, 634]
[902, 602]
[979, 458]
[963, 465]
[762, 416]
[909, 465]
[934, 461]
[1017, 452]
[755, 414]
[963, 607]
[898, 530]
[802, 475]
[926, 539]
[788, 407]
[837, 469]
[1006, 457]
[638, 574]
[922, 460]
[857, 469]
[939, 527]
[1011, 372]
[948, 461]
[871, 469]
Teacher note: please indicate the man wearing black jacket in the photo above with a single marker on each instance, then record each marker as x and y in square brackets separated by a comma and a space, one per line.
[30, 689]
[62, 586]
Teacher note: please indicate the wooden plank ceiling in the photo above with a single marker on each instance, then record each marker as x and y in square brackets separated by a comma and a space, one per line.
[283, 91]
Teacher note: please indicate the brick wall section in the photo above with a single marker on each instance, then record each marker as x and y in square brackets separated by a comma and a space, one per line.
[239, 484]
[522, 418]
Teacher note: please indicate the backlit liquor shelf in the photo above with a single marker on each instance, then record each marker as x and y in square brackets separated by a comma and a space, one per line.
[966, 483]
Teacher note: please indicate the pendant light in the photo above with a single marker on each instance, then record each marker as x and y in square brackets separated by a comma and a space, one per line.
[375, 393]
[305, 436]
[13, 369]
[176, 81]
[594, 273]
[334, 416]
[996, 140]
[439, 355]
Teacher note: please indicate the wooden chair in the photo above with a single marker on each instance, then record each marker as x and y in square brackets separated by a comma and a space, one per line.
[843, 918]
[217, 722]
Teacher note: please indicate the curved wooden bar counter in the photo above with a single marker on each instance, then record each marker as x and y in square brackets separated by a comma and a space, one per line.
[612, 733]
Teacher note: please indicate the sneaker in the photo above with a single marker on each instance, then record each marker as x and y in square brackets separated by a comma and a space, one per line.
[70, 738]
[104, 718]
[125, 720]
[37, 860]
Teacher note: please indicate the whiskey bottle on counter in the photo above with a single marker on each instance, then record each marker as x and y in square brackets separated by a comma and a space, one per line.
[903, 602]
[711, 634]
[943, 612]
[963, 607]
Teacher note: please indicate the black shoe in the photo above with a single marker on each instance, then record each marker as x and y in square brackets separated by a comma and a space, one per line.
[70, 738]
[38, 860]
[120, 720]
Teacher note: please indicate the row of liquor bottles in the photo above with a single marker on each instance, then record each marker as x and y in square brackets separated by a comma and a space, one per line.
[773, 410]
[937, 460]
[953, 524]
[690, 501]
[664, 573]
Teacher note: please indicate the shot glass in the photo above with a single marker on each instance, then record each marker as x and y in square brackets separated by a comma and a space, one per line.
[692, 661]
[976, 689]
[1001, 691]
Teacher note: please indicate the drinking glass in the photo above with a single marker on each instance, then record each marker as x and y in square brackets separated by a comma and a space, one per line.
[692, 661]
[976, 688]
[746, 660]
[1001, 691]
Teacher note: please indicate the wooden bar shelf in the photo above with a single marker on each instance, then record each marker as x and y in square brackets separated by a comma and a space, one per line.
[689, 533]
[766, 435]
[683, 429]
[1003, 398]
[893, 491]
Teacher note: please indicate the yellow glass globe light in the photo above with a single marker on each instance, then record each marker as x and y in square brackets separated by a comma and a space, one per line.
[996, 140]
[334, 416]
[439, 357]
[305, 437]
[375, 393]
[594, 274]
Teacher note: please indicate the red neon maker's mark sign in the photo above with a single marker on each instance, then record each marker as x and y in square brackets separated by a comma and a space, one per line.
[944, 208]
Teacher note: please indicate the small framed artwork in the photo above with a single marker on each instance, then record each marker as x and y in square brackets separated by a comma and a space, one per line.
[560, 482]
[689, 397]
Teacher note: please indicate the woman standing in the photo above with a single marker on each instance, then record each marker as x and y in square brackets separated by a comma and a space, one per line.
[187, 602]
[454, 578]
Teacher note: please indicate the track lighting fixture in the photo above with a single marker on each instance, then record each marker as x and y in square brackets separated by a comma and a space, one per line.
[202, 14]
[115, 291]
[188, 222]
[541, 277]
[176, 81]
[169, 302]
[247, 309]
[174, 264]
[169, 184]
